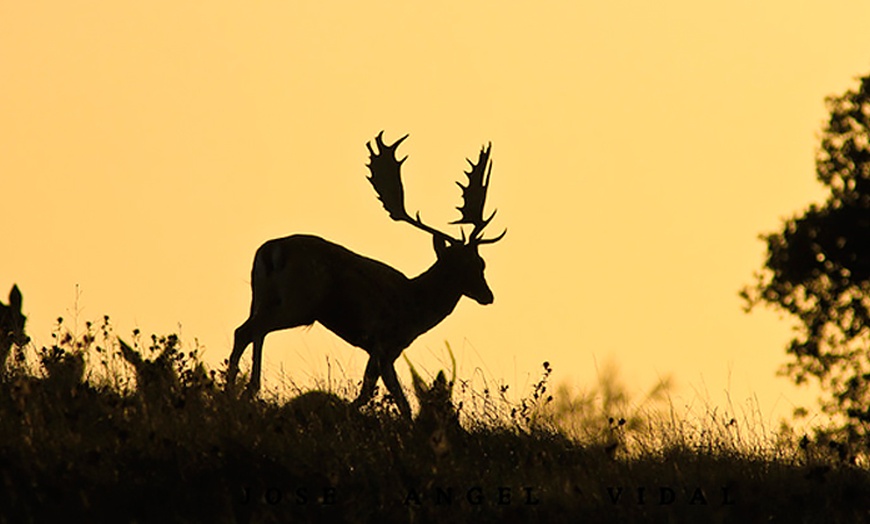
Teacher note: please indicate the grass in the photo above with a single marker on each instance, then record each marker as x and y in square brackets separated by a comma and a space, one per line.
[91, 432]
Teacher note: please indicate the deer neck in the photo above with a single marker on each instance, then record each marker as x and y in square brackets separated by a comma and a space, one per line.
[434, 294]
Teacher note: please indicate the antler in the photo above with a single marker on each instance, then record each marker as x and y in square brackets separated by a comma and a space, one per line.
[387, 180]
[474, 198]
[387, 177]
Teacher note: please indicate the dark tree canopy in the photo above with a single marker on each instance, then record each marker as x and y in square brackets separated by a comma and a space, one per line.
[818, 268]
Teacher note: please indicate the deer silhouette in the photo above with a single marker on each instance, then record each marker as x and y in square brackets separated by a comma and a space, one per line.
[11, 325]
[302, 279]
[438, 419]
[435, 426]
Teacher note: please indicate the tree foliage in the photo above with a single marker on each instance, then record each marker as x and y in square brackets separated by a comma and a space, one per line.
[818, 268]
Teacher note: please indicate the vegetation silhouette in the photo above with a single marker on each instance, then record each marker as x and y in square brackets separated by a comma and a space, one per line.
[302, 279]
[817, 269]
[145, 432]
[579, 413]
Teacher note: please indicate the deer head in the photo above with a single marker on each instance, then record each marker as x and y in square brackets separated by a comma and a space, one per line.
[12, 324]
[460, 255]
[438, 418]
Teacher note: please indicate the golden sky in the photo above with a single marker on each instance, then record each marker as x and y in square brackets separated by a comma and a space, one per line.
[148, 148]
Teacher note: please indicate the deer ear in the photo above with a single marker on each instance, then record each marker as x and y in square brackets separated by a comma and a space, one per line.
[15, 298]
[440, 244]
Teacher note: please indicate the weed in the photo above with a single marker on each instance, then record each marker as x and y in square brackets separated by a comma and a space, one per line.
[96, 429]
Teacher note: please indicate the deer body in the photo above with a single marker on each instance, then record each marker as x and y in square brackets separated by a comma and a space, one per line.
[302, 279]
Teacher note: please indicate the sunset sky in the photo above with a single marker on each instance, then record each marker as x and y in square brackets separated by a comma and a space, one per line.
[148, 148]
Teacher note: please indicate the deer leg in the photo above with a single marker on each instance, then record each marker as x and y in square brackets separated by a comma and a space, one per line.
[369, 380]
[392, 382]
[240, 343]
[256, 366]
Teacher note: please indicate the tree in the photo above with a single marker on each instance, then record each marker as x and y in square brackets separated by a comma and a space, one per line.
[818, 269]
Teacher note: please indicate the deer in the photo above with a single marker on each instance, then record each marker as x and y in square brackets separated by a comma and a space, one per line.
[438, 419]
[302, 279]
[11, 325]
[435, 426]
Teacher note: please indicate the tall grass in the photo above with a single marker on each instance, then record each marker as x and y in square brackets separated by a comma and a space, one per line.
[93, 430]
